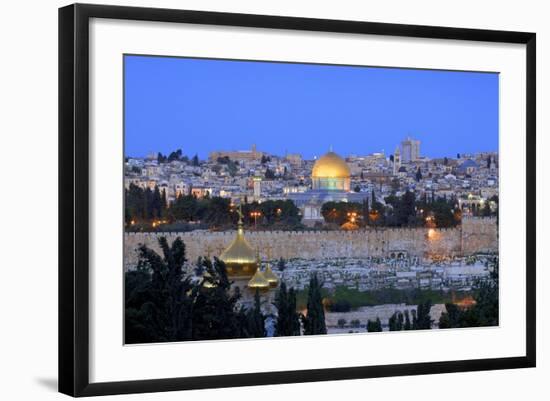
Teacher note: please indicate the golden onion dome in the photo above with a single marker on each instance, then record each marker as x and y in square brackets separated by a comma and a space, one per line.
[258, 281]
[271, 277]
[239, 252]
[330, 165]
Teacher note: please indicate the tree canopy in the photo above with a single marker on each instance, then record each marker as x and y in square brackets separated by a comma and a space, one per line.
[164, 303]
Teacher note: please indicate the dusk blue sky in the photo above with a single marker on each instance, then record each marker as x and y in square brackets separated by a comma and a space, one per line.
[204, 105]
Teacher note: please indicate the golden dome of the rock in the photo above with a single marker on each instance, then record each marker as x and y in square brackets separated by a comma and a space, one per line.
[330, 165]
[331, 173]
[240, 258]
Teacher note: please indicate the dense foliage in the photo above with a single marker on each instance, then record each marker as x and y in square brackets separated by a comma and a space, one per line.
[163, 303]
[146, 206]
[485, 310]
[397, 211]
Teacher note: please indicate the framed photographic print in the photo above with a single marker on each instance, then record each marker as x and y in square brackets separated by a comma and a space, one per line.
[249, 199]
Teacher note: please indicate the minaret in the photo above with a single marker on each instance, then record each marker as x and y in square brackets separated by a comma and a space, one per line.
[396, 161]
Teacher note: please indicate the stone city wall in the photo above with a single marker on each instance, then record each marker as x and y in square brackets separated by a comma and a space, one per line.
[473, 236]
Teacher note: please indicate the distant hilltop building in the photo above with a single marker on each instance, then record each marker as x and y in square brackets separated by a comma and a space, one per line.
[294, 159]
[237, 155]
[410, 150]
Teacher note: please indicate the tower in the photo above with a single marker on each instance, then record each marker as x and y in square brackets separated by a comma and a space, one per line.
[411, 150]
[396, 161]
[257, 187]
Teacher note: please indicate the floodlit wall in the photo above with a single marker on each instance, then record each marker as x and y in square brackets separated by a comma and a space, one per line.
[473, 236]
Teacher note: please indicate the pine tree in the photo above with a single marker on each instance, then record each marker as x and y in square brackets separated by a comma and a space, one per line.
[314, 321]
[158, 297]
[215, 315]
[195, 160]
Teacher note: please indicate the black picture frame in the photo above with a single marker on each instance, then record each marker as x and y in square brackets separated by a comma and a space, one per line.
[74, 198]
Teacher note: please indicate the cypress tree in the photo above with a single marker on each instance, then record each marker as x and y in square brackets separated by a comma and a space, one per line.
[293, 315]
[256, 320]
[407, 325]
[281, 303]
[374, 326]
[195, 160]
[314, 321]
[418, 174]
[395, 322]
[391, 323]
[365, 211]
[164, 203]
[399, 321]
[288, 322]
[422, 319]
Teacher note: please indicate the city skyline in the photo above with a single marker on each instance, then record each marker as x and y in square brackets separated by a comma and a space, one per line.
[331, 148]
[199, 106]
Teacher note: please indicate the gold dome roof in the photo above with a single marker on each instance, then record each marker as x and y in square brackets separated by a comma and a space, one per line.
[271, 277]
[258, 281]
[239, 252]
[330, 165]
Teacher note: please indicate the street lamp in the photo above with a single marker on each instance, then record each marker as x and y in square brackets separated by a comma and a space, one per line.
[255, 215]
[352, 216]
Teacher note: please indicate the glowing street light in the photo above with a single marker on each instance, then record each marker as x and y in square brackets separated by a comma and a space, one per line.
[352, 216]
[255, 215]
